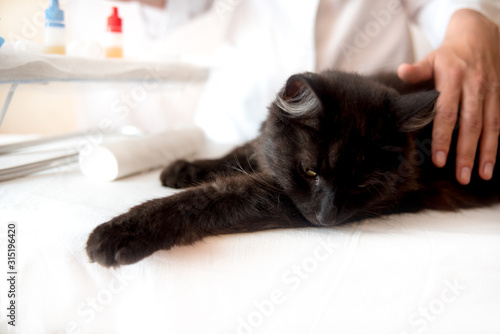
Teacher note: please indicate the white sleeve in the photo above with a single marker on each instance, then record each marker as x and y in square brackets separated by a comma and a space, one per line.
[180, 12]
[432, 16]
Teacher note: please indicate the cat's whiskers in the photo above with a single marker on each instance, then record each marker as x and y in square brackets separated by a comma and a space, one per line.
[255, 176]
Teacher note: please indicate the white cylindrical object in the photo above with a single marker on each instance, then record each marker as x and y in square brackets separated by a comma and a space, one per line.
[54, 36]
[111, 161]
[114, 44]
[113, 39]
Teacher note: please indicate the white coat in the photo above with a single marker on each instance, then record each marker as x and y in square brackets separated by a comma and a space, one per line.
[265, 41]
[252, 46]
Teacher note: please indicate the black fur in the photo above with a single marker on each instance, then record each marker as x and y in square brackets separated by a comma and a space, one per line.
[336, 147]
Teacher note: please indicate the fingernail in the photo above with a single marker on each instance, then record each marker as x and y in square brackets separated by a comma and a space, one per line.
[488, 170]
[465, 175]
[440, 159]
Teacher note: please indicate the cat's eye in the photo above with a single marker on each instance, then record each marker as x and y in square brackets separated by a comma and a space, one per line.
[308, 171]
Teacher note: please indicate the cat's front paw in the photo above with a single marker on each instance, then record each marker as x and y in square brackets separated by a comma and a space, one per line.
[120, 241]
[183, 174]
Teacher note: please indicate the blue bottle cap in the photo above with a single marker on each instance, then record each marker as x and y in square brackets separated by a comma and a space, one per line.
[1, 41]
[54, 16]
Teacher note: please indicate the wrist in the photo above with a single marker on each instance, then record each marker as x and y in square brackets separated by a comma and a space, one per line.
[469, 22]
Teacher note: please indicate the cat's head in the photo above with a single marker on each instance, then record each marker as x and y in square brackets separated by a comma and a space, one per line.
[335, 143]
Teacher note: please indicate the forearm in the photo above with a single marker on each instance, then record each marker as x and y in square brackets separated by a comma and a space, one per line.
[468, 22]
[433, 17]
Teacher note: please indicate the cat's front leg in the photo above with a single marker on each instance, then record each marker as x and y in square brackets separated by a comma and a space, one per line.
[127, 238]
[183, 174]
[234, 204]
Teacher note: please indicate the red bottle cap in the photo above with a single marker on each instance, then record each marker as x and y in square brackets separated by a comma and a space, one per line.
[114, 21]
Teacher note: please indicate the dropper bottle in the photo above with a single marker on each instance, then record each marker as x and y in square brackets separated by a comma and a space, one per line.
[114, 43]
[54, 32]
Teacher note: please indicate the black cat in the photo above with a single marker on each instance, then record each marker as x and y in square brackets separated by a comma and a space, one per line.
[335, 148]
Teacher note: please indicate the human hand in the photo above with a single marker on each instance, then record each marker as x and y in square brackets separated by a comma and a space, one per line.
[466, 72]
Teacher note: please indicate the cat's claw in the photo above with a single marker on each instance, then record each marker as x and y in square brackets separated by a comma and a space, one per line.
[182, 174]
[118, 242]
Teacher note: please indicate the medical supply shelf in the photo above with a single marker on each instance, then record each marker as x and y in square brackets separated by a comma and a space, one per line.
[18, 68]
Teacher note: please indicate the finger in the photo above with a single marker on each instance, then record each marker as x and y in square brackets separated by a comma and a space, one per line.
[418, 72]
[489, 137]
[448, 83]
[471, 124]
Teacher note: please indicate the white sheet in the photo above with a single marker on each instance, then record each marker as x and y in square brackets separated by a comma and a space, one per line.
[26, 67]
[418, 273]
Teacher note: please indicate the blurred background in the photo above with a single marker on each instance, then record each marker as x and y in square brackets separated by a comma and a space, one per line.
[33, 110]
[153, 35]
[54, 108]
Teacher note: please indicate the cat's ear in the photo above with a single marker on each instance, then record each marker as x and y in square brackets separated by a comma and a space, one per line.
[297, 98]
[414, 111]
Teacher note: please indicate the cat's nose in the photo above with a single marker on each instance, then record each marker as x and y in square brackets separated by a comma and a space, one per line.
[326, 213]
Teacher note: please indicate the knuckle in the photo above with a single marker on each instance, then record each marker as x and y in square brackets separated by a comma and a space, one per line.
[472, 103]
[489, 153]
[447, 115]
[466, 156]
[456, 71]
[472, 122]
[492, 83]
[493, 86]
[440, 138]
[456, 74]
[493, 124]
[479, 82]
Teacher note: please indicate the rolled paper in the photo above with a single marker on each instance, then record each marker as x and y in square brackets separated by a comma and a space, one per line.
[128, 156]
